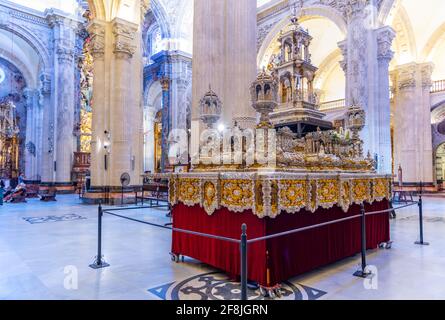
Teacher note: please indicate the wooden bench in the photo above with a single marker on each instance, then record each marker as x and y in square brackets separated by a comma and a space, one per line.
[32, 191]
[48, 195]
[18, 197]
[153, 192]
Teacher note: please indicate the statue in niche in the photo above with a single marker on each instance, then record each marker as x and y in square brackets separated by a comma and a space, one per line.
[288, 90]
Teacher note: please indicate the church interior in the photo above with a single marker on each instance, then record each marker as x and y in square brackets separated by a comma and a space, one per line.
[222, 150]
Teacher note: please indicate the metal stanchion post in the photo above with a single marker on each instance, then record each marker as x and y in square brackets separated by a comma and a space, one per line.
[99, 263]
[421, 242]
[363, 273]
[244, 263]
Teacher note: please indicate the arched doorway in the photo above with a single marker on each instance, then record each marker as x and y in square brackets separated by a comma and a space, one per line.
[13, 121]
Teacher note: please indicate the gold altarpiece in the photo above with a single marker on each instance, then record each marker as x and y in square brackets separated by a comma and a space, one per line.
[9, 140]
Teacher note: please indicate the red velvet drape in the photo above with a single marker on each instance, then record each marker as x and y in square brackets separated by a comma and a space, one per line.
[273, 261]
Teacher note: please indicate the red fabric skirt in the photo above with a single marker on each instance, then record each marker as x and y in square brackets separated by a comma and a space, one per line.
[273, 261]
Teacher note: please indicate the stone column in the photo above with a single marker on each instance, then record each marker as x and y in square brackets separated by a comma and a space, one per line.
[122, 111]
[367, 53]
[32, 135]
[173, 68]
[167, 118]
[118, 111]
[241, 60]
[96, 30]
[224, 56]
[47, 147]
[412, 122]
[149, 152]
[383, 148]
[64, 43]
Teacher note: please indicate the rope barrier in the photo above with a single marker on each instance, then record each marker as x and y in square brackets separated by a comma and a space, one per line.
[100, 263]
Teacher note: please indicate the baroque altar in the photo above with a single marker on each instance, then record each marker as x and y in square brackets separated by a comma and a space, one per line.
[9, 140]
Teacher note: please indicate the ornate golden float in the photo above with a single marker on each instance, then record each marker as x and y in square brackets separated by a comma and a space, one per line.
[274, 179]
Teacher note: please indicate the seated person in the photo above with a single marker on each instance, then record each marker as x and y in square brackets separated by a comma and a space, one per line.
[18, 195]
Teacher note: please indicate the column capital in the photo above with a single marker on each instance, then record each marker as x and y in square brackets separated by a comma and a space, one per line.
[404, 76]
[385, 37]
[45, 79]
[410, 75]
[124, 35]
[96, 29]
[426, 71]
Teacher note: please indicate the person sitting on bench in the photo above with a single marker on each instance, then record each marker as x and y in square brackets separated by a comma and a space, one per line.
[18, 195]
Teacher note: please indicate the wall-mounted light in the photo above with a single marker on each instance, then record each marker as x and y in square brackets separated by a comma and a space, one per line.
[107, 142]
[107, 148]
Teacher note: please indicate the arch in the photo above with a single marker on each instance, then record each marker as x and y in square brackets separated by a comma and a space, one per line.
[148, 43]
[316, 11]
[97, 8]
[161, 17]
[438, 105]
[153, 91]
[385, 11]
[405, 41]
[326, 67]
[439, 163]
[32, 81]
[32, 40]
[435, 39]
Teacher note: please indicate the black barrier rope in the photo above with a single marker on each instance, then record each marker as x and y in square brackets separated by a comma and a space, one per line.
[136, 220]
[100, 263]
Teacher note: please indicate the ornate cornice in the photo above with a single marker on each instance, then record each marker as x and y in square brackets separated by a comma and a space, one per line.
[58, 18]
[124, 35]
[22, 13]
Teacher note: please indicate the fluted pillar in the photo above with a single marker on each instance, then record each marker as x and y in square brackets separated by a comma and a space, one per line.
[413, 149]
[32, 155]
[97, 31]
[47, 147]
[367, 54]
[149, 141]
[117, 144]
[123, 112]
[64, 91]
[167, 119]
[224, 56]
[241, 60]
[382, 133]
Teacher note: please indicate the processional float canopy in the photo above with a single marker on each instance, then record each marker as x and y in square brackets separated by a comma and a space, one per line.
[210, 108]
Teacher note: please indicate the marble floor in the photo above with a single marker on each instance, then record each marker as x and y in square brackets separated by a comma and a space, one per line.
[45, 250]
